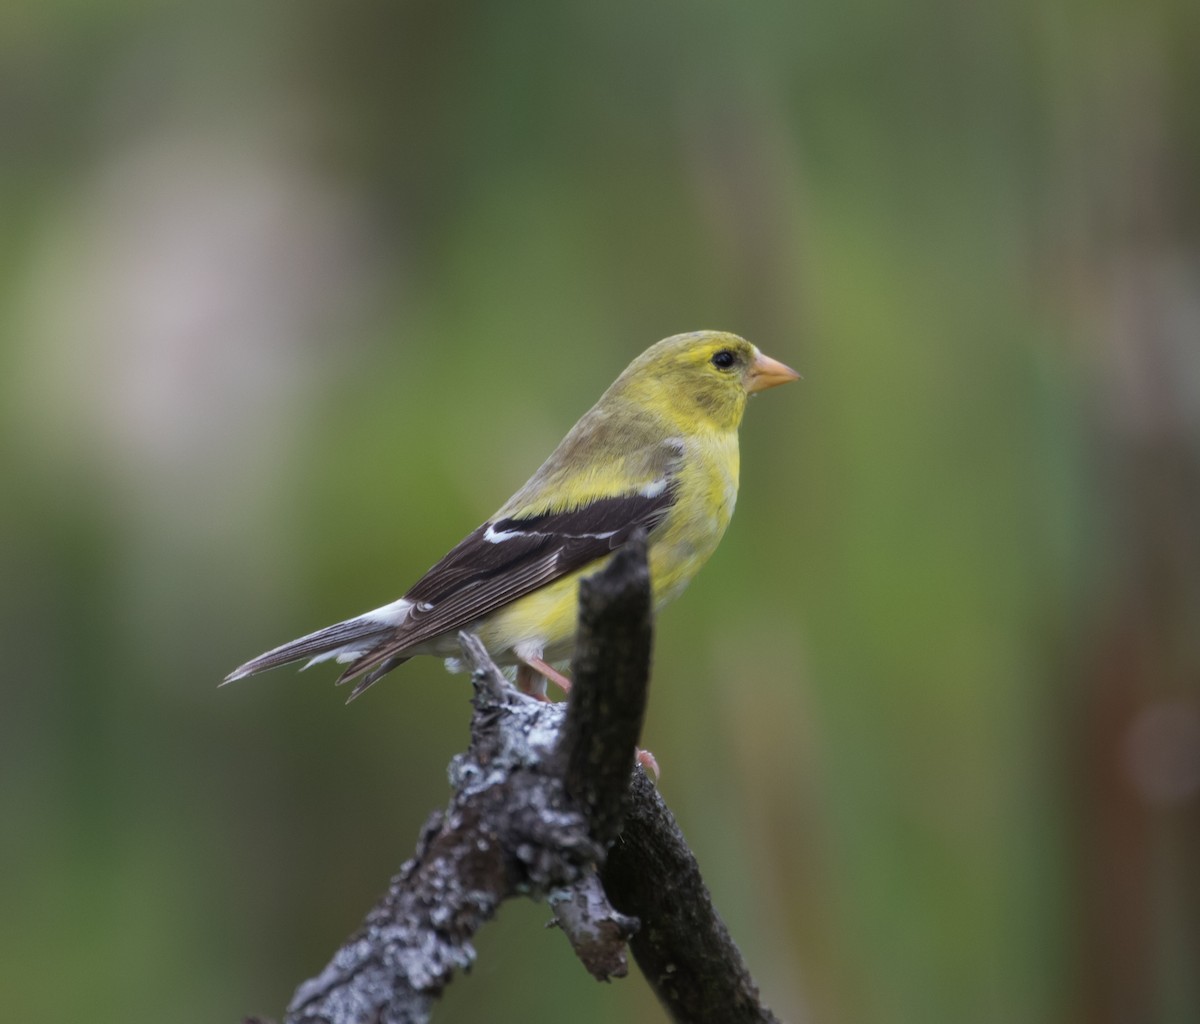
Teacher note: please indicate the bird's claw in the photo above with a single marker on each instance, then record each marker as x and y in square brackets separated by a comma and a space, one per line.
[648, 761]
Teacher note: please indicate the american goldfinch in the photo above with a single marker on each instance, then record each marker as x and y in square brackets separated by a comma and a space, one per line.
[658, 451]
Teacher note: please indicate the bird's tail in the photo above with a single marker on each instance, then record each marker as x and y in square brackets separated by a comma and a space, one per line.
[343, 642]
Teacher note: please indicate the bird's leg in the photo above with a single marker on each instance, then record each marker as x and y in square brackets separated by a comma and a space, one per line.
[531, 682]
[532, 674]
[545, 671]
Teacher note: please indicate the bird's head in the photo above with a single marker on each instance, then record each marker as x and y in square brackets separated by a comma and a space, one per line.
[704, 376]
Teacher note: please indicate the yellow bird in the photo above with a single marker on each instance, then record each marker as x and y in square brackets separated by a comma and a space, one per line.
[659, 451]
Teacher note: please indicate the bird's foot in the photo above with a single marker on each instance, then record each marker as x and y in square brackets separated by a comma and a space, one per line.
[531, 682]
[648, 761]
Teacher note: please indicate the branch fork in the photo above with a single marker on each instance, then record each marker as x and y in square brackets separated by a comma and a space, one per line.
[539, 798]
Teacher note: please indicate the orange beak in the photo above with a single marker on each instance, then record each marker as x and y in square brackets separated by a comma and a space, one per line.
[766, 372]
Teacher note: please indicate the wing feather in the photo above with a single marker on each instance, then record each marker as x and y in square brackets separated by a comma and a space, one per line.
[507, 558]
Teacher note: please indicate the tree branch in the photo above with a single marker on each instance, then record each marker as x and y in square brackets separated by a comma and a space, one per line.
[539, 797]
[608, 699]
[683, 947]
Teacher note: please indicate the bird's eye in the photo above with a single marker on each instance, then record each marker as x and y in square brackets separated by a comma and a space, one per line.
[724, 359]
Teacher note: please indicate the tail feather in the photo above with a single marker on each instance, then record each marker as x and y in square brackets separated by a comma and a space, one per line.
[372, 677]
[344, 641]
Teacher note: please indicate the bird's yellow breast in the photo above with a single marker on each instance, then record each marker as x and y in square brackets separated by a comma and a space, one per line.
[707, 487]
[687, 537]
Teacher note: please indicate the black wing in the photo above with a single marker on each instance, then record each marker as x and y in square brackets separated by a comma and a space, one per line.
[508, 558]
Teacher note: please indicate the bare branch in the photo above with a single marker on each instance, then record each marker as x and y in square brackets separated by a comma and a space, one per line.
[512, 827]
[509, 829]
[612, 675]
[596, 931]
[539, 797]
[683, 947]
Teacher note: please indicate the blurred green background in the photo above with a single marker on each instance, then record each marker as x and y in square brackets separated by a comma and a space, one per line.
[292, 295]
